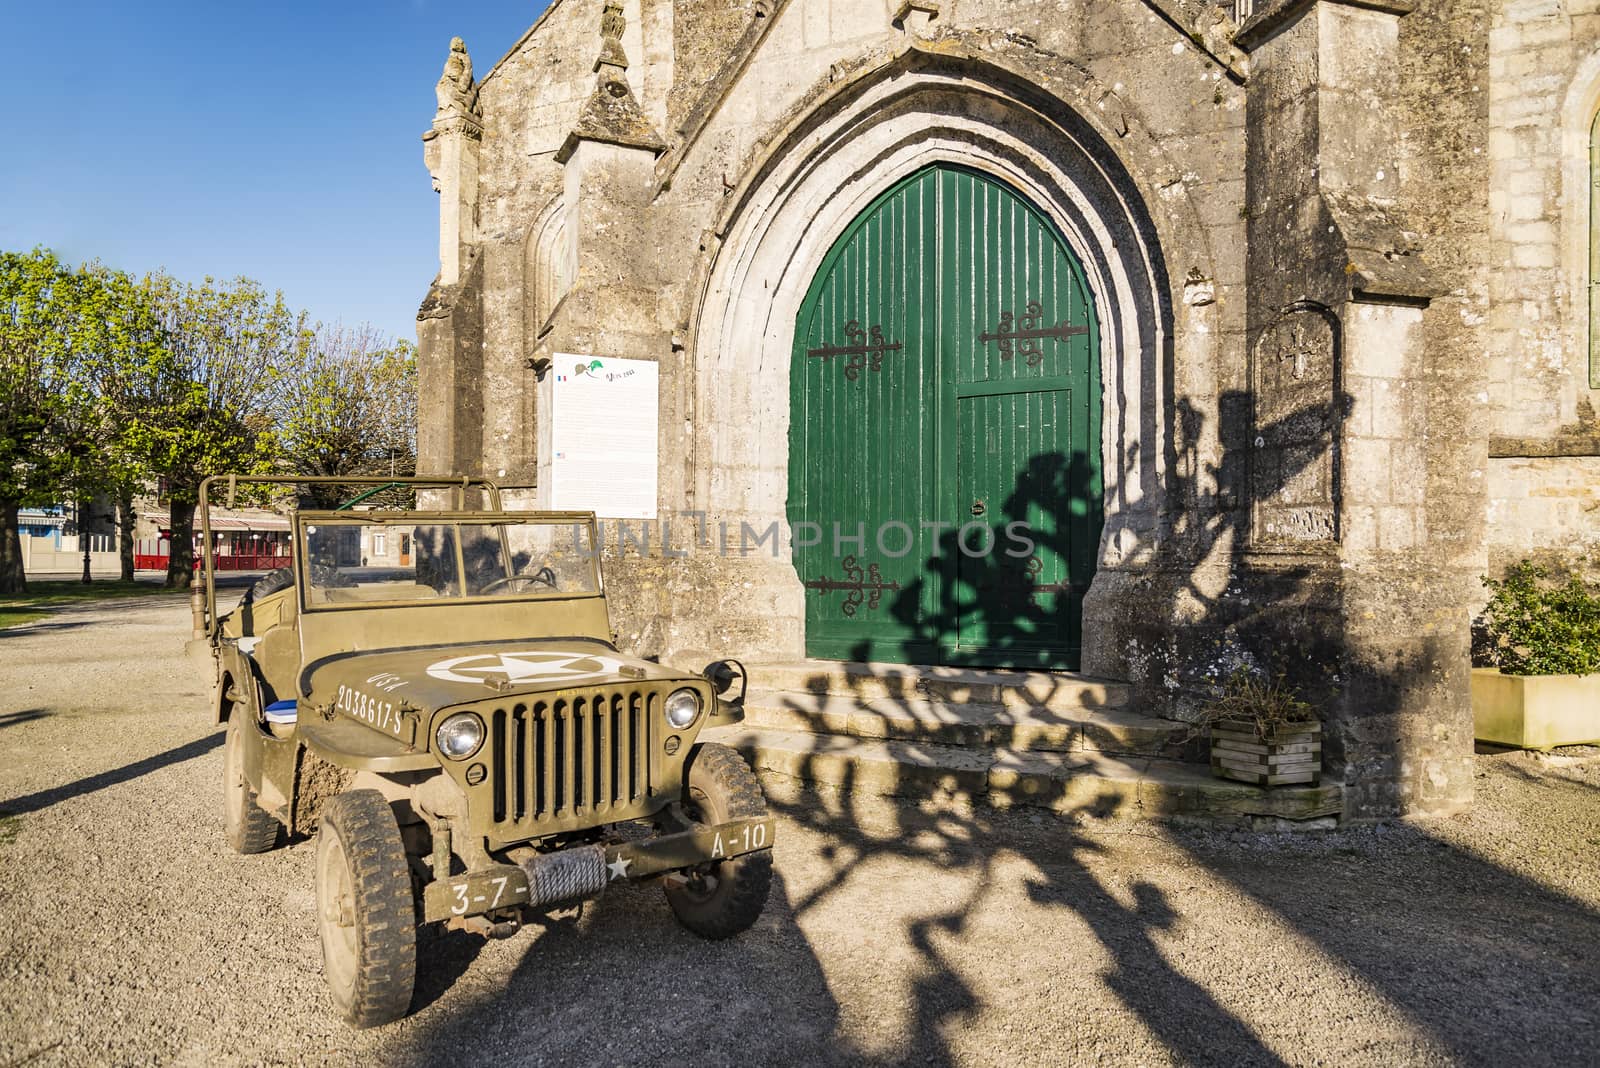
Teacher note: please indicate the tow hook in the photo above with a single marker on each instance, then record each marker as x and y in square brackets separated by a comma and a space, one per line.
[482, 925]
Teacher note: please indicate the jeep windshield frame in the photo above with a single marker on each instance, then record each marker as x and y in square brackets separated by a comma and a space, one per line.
[439, 558]
[203, 595]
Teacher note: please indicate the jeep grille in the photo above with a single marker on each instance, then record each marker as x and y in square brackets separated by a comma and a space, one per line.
[574, 761]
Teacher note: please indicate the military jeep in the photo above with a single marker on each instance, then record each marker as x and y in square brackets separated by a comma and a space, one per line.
[437, 696]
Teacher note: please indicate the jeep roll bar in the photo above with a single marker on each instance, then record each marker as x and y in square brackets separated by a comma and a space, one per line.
[203, 598]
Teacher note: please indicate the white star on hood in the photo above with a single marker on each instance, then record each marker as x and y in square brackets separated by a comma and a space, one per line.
[524, 666]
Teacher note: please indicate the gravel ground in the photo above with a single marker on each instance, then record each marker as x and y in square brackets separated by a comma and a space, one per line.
[130, 935]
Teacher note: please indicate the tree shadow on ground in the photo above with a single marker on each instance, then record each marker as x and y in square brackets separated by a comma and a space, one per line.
[1488, 964]
[33, 802]
[29, 630]
[978, 841]
[623, 983]
[1494, 967]
[1409, 923]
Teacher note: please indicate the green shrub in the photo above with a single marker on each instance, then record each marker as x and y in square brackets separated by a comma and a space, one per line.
[1267, 703]
[1535, 625]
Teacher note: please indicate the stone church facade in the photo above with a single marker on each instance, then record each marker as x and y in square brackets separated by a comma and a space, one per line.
[1272, 326]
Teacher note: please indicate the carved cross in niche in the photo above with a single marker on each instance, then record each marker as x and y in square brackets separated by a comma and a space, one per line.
[1298, 347]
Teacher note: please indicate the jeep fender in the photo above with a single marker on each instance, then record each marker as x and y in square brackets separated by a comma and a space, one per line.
[269, 762]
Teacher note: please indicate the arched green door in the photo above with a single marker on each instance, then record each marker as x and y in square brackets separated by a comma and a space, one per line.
[944, 472]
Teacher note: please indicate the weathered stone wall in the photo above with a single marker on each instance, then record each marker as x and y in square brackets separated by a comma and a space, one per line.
[1297, 465]
[1544, 92]
[1163, 110]
[1546, 509]
[1544, 89]
[531, 99]
[705, 34]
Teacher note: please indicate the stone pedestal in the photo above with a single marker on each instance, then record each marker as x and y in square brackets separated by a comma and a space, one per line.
[450, 321]
[450, 377]
[1346, 461]
[612, 305]
[1341, 550]
[450, 150]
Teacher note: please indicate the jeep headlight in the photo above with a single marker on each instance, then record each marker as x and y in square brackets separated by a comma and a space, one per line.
[460, 735]
[682, 707]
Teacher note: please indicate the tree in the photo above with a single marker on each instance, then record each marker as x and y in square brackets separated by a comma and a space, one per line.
[43, 394]
[123, 363]
[346, 404]
[202, 406]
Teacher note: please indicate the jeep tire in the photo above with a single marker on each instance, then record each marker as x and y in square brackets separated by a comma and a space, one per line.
[277, 579]
[720, 900]
[247, 826]
[366, 913]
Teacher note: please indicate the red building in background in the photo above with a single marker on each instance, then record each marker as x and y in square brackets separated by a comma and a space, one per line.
[242, 540]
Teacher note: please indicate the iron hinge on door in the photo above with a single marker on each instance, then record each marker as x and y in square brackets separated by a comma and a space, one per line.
[1024, 342]
[866, 349]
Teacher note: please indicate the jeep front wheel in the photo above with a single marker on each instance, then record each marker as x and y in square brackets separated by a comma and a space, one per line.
[722, 899]
[247, 826]
[365, 910]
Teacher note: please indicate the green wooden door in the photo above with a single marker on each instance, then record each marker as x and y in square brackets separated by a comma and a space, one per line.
[945, 484]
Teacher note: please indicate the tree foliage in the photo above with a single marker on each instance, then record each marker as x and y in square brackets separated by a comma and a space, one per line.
[201, 404]
[122, 342]
[346, 404]
[43, 391]
[112, 385]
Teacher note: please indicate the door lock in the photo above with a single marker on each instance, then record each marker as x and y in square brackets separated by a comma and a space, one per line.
[978, 508]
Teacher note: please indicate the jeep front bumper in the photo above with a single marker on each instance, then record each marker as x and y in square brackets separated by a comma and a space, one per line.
[581, 872]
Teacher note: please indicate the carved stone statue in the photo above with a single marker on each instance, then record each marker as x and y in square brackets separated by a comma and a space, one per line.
[455, 90]
[612, 22]
[612, 25]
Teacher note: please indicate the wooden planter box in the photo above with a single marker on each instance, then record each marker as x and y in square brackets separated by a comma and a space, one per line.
[1535, 711]
[1289, 754]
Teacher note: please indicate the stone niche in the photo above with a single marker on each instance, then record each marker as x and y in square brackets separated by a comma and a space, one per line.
[1294, 466]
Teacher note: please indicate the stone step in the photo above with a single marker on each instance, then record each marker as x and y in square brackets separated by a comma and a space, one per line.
[1053, 691]
[1080, 782]
[1115, 729]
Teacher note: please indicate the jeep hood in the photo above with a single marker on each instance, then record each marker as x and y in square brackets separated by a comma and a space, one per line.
[443, 675]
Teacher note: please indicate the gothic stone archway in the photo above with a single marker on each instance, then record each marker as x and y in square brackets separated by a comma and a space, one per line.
[788, 212]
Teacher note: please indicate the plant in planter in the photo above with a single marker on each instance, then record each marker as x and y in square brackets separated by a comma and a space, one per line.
[1263, 733]
[1537, 680]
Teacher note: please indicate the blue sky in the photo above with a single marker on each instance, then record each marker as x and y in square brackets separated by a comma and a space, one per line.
[276, 140]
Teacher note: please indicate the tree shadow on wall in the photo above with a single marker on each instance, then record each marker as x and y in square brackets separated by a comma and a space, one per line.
[1007, 599]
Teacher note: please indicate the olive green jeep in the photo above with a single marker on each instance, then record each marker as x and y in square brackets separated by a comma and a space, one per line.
[437, 696]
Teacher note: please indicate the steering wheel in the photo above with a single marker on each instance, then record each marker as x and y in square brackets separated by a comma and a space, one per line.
[327, 576]
[544, 577]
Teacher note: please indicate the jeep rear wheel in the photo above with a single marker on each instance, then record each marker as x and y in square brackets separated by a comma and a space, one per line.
[365, 910]
[248, 827]
[720, 900]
